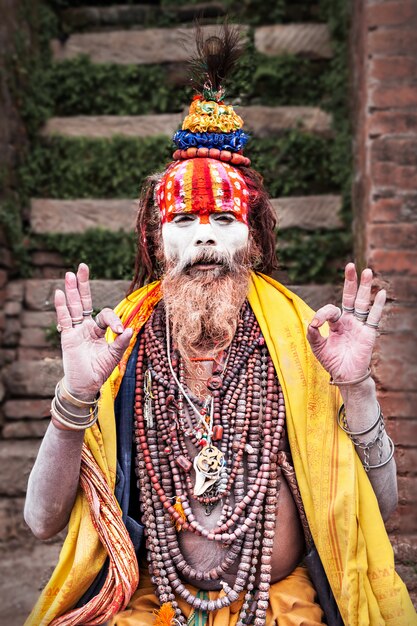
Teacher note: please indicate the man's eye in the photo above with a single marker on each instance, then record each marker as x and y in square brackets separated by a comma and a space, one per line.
[183, 219]
[226, 218]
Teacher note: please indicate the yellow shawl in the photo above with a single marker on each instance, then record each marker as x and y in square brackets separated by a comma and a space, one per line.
[341, 506]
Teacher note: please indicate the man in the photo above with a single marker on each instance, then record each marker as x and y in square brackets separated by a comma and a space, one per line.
[245, 460]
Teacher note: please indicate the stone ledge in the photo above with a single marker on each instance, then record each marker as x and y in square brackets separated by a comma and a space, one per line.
[308, 212]
[175, 45]
[307, 40]
[39, 294]
[31, 429]
[16, 461]
[261, 121]
[153, 45]
[76, 216]
[28, 379]
[31, 565]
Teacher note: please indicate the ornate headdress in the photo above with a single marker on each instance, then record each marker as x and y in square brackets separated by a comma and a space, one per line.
[203, 177]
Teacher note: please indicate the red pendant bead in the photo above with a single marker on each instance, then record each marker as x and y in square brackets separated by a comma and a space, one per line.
[202, 443]
[217, 432]
[183, 462]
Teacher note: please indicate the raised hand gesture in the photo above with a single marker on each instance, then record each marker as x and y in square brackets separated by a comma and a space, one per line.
[88, 359]
[346, 352]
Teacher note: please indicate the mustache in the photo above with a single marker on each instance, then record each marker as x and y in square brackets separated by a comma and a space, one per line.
[204, 255]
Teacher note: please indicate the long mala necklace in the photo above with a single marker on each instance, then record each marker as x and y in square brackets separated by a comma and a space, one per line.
[236, 436]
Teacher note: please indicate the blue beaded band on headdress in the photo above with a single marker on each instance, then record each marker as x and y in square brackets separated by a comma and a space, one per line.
[234, 142]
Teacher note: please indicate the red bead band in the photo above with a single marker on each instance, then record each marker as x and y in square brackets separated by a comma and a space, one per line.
[235, 158]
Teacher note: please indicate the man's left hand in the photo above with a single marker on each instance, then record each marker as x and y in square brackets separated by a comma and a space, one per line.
[346, 352]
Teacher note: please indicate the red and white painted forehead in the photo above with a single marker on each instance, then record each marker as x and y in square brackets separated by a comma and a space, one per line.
[202, 186]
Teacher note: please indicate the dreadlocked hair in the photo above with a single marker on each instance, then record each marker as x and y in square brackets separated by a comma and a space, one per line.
[262, 224]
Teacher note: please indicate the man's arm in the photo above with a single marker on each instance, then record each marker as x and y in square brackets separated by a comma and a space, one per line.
[53, 482]
[361, 412]
[346, 354]
[88, 361]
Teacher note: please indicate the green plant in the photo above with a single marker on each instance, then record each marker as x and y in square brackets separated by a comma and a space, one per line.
[317, 257]
[109, 255]
[11, 223]
[116, 168]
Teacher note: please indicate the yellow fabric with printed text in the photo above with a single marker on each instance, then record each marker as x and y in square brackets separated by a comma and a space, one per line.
[340, 504]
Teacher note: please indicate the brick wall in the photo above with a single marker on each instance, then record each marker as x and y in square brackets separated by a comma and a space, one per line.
[384, 50]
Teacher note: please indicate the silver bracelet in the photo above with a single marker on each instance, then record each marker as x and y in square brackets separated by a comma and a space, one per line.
[69, 423]
[68, 414]
[381, 464]
[347, 383]
[342, 423]
[62, 391]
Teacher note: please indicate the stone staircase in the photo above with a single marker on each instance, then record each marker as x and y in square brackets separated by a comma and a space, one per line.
[35, 364]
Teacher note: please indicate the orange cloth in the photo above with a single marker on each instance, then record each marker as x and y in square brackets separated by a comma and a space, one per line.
[291, 603]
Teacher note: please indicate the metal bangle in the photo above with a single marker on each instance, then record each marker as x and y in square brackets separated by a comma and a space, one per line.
[345, 383]
[61, 419]
[391, 454]
[62, 391]
[78, 419]
[362, 432]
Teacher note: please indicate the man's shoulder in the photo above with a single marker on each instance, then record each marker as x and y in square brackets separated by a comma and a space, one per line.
[274, 293]
[137, 300]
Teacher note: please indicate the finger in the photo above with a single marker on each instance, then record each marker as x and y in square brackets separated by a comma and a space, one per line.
[328, 313]
[315, 339]
[73, 296]
[119, 345]
[363, 297]
[108, 318]
[63, 317]
[350, 286]
[377, 308]
[83, 282]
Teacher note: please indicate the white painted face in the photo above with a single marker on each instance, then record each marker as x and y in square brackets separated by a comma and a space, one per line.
[186, 236]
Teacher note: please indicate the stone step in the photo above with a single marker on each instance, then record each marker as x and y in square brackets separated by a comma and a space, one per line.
[32, 563]
[39, 295]
[261, 121]
[311, 41]
[130, 16]
[76, 216]
[168, 45]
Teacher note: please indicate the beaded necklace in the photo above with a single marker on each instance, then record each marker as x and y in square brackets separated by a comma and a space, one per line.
[246, 422]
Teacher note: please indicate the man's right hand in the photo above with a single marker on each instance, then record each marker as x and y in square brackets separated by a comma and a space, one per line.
[88, 359]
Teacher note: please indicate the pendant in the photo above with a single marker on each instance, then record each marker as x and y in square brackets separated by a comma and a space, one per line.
[147, 409]
[207, 465]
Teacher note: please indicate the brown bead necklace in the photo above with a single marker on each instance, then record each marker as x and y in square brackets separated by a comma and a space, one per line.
[243, 428]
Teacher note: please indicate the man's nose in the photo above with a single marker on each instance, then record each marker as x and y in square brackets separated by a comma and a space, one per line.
[205, 236]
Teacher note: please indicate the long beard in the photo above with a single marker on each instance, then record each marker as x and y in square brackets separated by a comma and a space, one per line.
[204, 306]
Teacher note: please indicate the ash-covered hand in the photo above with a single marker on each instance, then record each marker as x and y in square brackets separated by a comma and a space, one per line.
[346, 352]
[88, 359]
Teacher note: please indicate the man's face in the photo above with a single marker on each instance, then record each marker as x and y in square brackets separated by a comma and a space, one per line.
[195, 243]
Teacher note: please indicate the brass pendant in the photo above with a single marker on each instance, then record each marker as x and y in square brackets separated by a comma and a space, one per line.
[207, 465]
